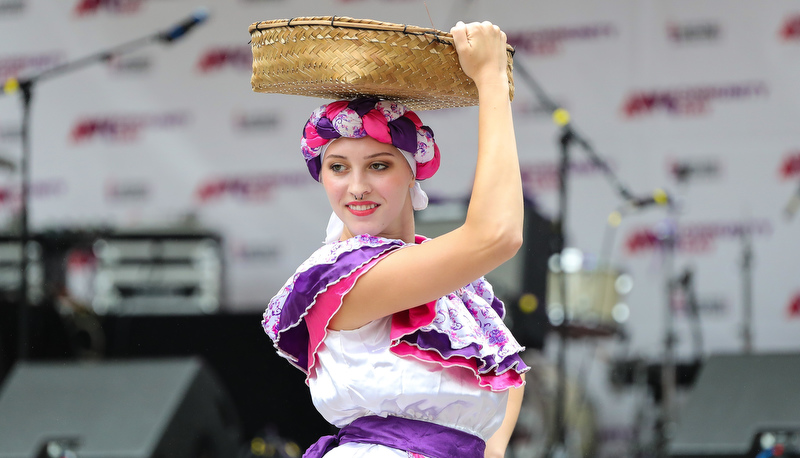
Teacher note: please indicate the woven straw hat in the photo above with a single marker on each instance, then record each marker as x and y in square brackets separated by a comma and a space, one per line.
[341, 58]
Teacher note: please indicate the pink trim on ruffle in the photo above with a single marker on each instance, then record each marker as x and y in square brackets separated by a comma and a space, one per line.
[327, 304]
[409, 321]
[501, 382]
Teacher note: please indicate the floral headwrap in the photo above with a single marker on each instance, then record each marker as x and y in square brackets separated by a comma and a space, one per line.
[386, 121]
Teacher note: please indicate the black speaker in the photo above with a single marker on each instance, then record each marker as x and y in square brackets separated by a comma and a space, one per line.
[740, 406]
[170, 408]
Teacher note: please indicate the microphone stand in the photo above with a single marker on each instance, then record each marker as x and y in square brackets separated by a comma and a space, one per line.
[747, 292]
[569, 135]
[26, 87]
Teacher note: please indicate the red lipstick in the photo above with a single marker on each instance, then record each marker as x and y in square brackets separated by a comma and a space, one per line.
[362, 207]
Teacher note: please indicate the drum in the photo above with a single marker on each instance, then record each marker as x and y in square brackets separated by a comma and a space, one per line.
[594, 301]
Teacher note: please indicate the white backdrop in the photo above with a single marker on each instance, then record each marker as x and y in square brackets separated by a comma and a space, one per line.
[171, 133]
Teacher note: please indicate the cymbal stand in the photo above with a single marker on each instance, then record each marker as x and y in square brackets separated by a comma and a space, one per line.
[664, 425]
[568, 136]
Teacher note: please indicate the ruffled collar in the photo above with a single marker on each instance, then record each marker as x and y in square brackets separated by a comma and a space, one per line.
[464, 328]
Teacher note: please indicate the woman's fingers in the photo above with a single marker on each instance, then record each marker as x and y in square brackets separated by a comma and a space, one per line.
[481, 48]
[459, 32]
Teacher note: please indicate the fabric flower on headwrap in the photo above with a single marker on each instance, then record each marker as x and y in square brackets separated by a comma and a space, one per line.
[386, 121]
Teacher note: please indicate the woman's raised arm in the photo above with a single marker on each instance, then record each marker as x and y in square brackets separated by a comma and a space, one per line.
[492, 231]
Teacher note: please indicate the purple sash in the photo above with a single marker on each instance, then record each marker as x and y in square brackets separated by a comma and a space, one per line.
[423, 437]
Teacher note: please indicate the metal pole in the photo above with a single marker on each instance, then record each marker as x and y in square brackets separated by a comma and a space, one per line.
[23, 335]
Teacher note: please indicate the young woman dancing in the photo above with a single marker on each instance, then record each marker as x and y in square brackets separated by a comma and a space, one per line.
[401, 337]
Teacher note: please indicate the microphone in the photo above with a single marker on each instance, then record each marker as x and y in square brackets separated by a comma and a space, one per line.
[178, 30]
[658, 197]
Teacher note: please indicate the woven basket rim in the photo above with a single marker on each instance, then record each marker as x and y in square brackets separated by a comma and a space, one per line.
[286, 60]
[360, 24]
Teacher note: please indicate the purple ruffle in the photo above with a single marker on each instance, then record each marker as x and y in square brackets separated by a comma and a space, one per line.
[440, 343]
[293, 333]
[284, 318]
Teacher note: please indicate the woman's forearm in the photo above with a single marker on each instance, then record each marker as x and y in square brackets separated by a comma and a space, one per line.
[497, 444]
[496, 203]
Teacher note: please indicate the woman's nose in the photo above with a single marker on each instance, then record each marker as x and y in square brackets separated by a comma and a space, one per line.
[359, 185]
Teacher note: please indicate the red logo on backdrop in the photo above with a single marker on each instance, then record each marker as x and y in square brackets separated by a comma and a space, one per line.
[238, 57]
[544, 176]
[692, 33]
[255, 253]
[690, 101]
[692, 238]
[790, 167]
[12, 195]
[126, 191]
[791, 28]
[123, 128]
[6, 195]
[550, 41]
[794, 307]
[249, 188]
[84, 7]
[129, 64]
[14, 66]
[256, 121]
[685, 170]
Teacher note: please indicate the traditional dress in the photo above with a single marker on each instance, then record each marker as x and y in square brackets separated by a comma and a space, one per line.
[429, 381]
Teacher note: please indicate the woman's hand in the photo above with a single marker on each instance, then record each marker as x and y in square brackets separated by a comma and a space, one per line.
[481, 48]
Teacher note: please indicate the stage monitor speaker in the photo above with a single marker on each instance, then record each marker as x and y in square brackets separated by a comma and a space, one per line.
[740, 405]
[170, 408]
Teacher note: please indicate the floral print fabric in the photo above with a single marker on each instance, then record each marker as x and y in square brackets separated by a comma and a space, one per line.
[463, 328]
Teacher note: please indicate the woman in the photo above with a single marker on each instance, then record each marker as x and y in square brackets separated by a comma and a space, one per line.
[399, 353]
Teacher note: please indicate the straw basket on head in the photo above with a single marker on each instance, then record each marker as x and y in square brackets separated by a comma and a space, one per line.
[341, 58]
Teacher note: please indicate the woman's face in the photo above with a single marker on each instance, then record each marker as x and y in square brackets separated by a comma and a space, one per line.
[356, 167]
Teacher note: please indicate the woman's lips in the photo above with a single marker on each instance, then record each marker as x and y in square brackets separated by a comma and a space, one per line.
[362, 208]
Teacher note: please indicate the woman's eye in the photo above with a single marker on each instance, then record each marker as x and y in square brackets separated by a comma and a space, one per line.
[379, 166]
[337, 167]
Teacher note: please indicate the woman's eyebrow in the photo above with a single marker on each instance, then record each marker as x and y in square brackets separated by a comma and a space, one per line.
[371, 156]
[383, 153]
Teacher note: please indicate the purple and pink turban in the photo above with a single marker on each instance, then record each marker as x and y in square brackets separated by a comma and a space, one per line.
[386, 121]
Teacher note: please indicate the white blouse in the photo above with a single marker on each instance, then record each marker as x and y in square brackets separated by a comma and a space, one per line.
[356, 375]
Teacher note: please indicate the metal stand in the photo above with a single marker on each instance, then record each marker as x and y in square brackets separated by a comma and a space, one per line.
[26, 87]
[23, 332]
[558, 449]
[747, 293]
[665, 423]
